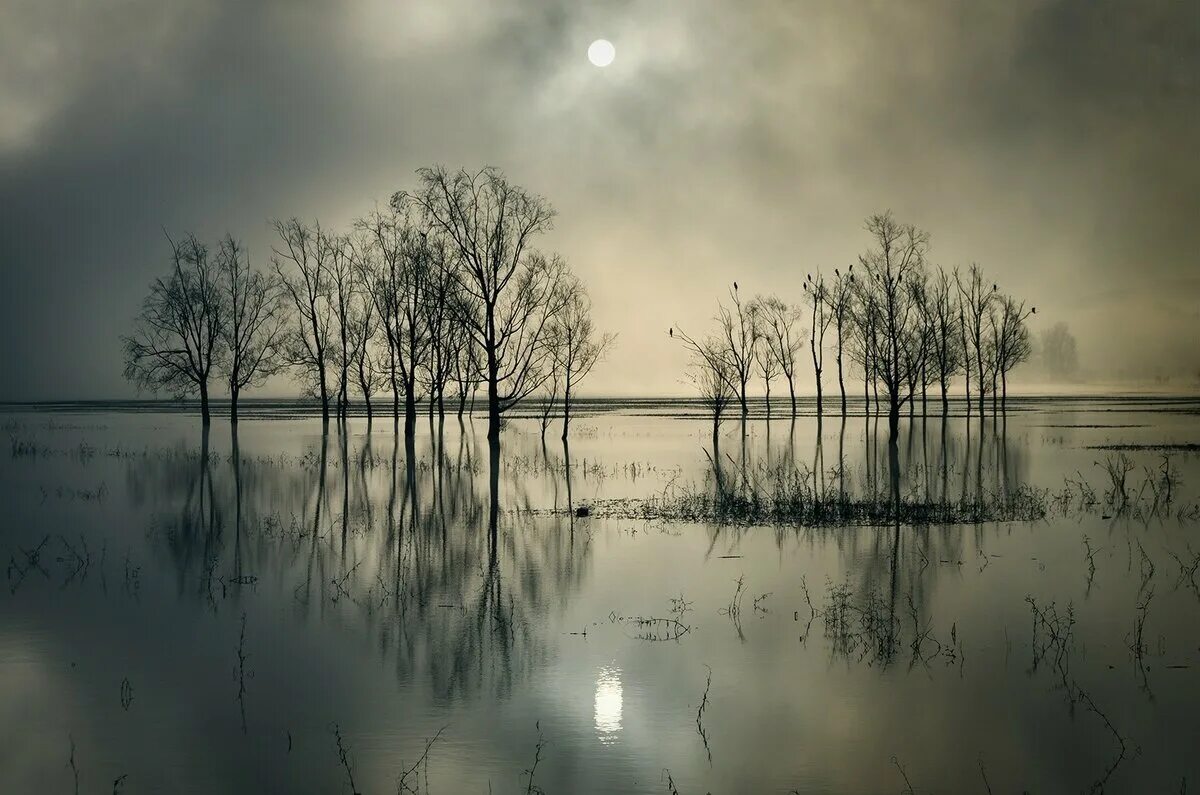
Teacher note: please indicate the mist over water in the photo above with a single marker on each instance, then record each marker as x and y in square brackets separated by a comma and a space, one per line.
[211, 612]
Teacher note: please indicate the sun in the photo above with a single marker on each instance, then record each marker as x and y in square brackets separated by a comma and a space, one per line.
[601, 52]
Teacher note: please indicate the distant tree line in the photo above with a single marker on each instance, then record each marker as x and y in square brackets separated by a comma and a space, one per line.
[906, 326]
[437, 295]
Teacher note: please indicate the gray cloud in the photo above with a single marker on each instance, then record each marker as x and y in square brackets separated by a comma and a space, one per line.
[1050, 140]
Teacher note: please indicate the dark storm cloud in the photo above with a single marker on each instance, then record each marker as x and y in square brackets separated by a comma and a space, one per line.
[1053, 142]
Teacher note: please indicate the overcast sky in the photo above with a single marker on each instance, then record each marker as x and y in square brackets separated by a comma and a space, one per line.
[1052, 141]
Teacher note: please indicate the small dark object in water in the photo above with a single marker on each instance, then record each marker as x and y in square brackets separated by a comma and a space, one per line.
[582, 511]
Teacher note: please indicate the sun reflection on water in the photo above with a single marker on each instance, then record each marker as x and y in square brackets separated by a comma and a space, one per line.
[608, 703]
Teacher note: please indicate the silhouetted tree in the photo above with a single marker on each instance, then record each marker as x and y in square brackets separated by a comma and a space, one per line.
[779, 333]
[490, 224]
[946, 351]
[343, 286]
[401, 262]
[893, 271]
[839, 297]
[574, 343]
[306, 253]
[713, 373]
[255, 324]
[764, 356]
[1010, 340]
[176, 338]
[740, 335]
[818, 299]
[975, 301]
[363, 324]
[444, 326]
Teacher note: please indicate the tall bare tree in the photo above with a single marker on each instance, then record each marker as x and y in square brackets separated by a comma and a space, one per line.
[1010, 340]
[400, 260]
[946, 352]
[490, 224]
[443, 324]
[714, 374]
[818, 297]
[254, 328]
[893, 268]
[975, 301]
[176, 338]
[302, 263]
[574, 342]
[839, 298]
[363, 324]
[738, 330]
[767, 362]
[343, 286]
[780, 334]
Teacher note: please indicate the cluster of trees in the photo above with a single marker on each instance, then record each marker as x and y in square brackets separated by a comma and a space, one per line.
[440, 292]
[905, 325]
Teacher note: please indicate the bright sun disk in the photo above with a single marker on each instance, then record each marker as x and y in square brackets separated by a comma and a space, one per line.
[601, 52]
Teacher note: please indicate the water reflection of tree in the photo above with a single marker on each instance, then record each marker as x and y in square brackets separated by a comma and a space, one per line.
[438, 558]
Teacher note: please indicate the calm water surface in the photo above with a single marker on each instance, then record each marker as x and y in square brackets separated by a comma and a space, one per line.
[217, 614]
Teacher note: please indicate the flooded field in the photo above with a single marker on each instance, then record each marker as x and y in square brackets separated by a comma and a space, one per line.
[285, 610]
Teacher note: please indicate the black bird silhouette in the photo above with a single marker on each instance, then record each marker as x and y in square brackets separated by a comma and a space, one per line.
[671, 332]
[735, 285]
[1033, 310]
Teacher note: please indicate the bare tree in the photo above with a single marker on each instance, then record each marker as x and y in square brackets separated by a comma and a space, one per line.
[363, 325]
[946, 353]
[865, 318]
[574, 343]
[490, 224]
[1010, 340]
[441, 297]
[343, 285]
[400, 260]
[713, 373]
[254, 327]
[780, 334]
[740, 335]
[975, 302]
[818, 298]
[305, 252]
[839, 297]
[893, 269]
[176, 338]
[767, 362]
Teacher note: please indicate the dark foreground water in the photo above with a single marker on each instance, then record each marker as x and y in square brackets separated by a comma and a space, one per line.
[289, 611]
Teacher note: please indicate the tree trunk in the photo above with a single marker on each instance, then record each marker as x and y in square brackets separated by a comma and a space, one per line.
[395, 383]
[410, 406]
[819, 396]
[792, 393]
[205, 417]
[893, 419]
[841, 383]
[324, 397]
[566, 408]
[233, 404]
